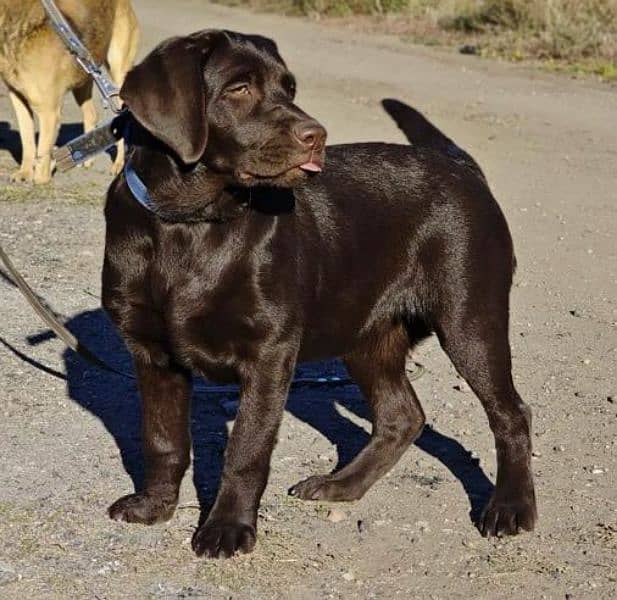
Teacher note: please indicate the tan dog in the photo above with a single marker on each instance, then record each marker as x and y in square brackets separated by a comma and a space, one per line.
[39, 71]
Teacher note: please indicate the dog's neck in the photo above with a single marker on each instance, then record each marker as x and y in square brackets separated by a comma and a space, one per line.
[182, 194]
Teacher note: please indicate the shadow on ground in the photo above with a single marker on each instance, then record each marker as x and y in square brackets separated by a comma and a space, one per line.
[9, 137]
[114, 400]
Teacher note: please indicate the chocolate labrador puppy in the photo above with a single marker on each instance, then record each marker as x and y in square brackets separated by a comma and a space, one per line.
[251, 255]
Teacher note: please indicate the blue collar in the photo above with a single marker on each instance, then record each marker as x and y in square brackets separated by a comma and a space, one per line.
[138, 187]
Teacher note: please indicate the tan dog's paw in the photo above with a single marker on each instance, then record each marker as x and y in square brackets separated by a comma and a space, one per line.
[42, 172]
[22, 175]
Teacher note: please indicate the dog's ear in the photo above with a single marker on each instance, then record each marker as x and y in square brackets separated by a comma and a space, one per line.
[166, 94]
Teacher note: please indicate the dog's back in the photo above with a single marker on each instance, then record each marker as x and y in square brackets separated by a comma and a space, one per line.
[39, 70]
[26, 37]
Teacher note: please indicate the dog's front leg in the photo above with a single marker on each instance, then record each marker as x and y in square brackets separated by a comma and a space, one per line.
[165, 403]
[231, 525]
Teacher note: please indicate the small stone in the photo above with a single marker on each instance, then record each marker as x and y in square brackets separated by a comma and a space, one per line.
[586, 361]
[559, 448]
[598, 471]
[469, 49]
[335, 515]
[422, 526]
[610, 399]
[536, 454]
[7, 574]
[349, 576]
[461, 387]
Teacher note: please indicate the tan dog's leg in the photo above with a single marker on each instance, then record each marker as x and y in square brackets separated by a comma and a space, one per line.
[83, 97]
[25, 123]
[49, 123]
[120, 57]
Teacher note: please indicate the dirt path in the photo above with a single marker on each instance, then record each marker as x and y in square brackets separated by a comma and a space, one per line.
[549, 149]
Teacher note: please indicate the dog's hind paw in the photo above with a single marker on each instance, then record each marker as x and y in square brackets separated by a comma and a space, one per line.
[326, 488]
[143, 508]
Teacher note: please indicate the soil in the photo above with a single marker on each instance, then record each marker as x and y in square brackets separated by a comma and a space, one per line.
[70, 434]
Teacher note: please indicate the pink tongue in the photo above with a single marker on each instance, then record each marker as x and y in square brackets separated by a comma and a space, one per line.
[312, 167]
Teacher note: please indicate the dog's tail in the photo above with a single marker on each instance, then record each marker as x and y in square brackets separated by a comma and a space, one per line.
[420, 132]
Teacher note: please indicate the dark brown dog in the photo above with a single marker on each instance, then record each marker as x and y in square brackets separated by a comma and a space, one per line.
[253, 263]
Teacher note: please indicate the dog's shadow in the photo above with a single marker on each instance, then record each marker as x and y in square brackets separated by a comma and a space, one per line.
[114, 400]
[11, 142]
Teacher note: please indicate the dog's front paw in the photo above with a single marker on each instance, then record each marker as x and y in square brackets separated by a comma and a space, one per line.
[23, 174]
[223, 539]
[326, 488]
[143, 508]
[508, 516]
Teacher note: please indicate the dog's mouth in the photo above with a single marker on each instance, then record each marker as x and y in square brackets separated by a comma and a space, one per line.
[312, 166]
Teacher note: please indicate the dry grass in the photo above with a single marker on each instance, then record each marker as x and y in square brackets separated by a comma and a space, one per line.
[564, 34]
[557, 29]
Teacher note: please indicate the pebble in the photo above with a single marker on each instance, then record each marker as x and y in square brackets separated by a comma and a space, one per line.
[7, 574]
[349, 576]
[461, 387]
[598, 471]
[469, 49]
[335, 515]
[422, 526]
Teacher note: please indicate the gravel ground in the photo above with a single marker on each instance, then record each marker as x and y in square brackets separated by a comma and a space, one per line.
[69, 435]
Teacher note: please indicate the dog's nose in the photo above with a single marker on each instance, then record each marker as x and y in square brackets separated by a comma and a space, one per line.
[310, 134]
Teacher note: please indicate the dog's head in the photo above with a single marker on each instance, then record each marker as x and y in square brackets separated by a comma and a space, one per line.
[227, 100]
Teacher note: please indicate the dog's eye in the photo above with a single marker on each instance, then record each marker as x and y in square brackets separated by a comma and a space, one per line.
[289, 85]
[239, 89]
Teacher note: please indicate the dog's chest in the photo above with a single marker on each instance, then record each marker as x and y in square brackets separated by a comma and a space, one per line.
[209, 308]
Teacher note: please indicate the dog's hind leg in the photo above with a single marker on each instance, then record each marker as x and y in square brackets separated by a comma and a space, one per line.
[474, 334]
[379, 369]
[25, 122]
[83, 97]
[120, 57]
